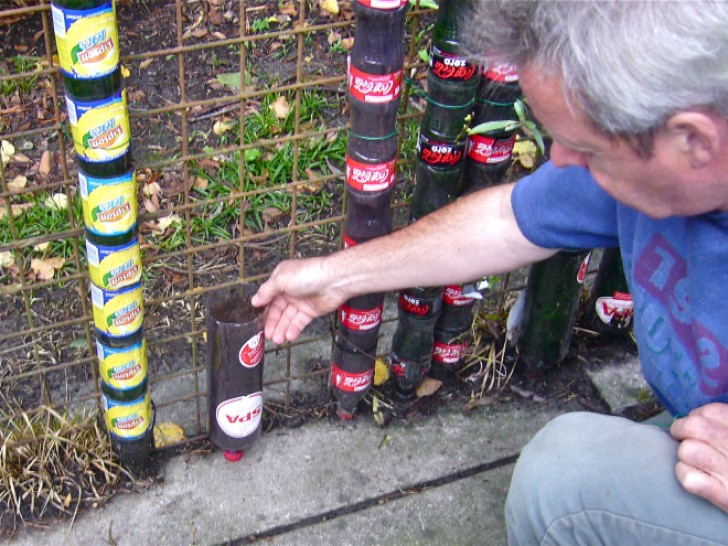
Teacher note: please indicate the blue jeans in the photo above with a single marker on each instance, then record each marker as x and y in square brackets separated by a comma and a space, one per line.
[593, 479]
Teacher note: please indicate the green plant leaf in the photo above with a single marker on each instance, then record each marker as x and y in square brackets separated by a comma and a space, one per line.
[520, 109]
[489, 126]
[251, 154]
[232, 79]
[424, 55]
[430, 4]
[537, 136]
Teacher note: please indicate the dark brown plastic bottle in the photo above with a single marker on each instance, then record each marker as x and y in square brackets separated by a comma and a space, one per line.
[376, 66]
[235, 360]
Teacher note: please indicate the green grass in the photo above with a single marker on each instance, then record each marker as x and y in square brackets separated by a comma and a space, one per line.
[265, 167]
[20, 64]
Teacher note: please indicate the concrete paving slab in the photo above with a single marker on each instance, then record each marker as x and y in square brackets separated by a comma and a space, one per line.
[293, 476]
[467, 512]
[620, 382]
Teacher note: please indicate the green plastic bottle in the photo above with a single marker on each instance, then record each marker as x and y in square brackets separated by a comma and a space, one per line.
[551, 300]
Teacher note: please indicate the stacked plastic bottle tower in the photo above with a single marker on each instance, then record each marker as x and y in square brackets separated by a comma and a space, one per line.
[374, 92]
[452, 82]
[88, 49]
[489, 154]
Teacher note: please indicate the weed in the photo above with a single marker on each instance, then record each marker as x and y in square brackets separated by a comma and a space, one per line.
[21, 64]
[51, 461]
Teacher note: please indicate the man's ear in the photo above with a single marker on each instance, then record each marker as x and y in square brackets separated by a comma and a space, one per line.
[696, 135]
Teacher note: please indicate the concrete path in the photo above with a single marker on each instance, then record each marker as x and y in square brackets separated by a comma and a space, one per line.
[440, 481]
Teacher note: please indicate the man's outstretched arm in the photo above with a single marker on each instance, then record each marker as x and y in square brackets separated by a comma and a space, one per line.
[475, 236]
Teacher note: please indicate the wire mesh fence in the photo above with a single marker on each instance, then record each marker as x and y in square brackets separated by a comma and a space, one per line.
[239, 124]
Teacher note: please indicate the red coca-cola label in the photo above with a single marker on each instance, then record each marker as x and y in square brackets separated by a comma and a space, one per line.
[453, 295]
[484, 149]
[383, 4]
[370, 176]
[450, 67]
[503, 73]
[439, 153]
[348, 241]
[413, 306]
[449, 353]
[360, 320]
[351, 382]
[251, 353]
[374, 88]
[581, 274]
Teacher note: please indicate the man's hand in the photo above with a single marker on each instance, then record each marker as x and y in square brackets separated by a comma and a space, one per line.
[297, 292]
[702, 466]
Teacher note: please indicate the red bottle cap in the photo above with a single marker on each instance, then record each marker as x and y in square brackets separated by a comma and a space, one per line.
[383, 4]
[233, 456]
[344, 415]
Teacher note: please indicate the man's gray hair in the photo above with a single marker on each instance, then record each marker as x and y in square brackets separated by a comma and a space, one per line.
[630, 65]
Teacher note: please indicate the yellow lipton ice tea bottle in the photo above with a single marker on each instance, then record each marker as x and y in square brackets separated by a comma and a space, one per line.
[88, 51]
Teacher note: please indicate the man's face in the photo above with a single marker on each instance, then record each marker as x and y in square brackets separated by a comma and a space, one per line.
[653, 186]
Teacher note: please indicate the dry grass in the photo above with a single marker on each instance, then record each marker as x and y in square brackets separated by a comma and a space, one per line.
[52, 464]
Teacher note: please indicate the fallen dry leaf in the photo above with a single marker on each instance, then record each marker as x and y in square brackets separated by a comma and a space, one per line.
[381, 372]
[524, 151]
[46, 162]
[6, 259]
[167, 433]
[42, 247]
[222, 127]
[57, 200]
[153, 188]
[145, 63]
[200, 183]
[7, 150]
[271, 214]
[333, 37]
[428, 387]
[330, 6]
[16, 210]
[289, 9]
[167, 221]
[280, 107]
[46, 269]
[18, 183]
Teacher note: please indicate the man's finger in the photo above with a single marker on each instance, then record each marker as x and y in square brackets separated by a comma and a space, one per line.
[703, 485]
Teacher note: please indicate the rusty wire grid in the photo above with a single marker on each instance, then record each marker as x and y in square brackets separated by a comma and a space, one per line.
[186, 137]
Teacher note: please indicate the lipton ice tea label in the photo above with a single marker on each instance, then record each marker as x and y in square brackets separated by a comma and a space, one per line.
[100, 128]
[118, 314]
[109, 204]
[122, 368]
[128, 420]
[87, 40]
[114, 267]
[240, 417]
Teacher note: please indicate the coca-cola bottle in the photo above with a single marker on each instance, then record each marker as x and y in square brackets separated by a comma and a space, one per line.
[359, 321]
[489, 154]
[235, 358]
[418, 310]
[549, 310]
[457, 310]
[609, 308]
[438, 173]
[352, 374]
[451, 79]
[449, 350]
[368, 214]
[376, 66]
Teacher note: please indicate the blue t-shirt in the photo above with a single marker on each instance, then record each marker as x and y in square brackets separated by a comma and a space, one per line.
[676, 268]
